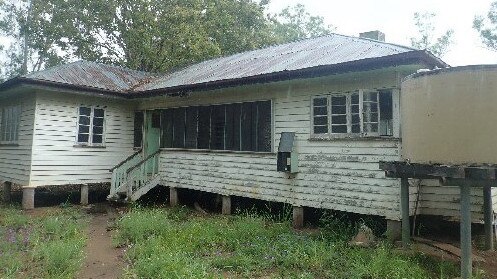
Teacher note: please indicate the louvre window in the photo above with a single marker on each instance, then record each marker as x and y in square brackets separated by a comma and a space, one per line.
[366, 113]
[91, 122]
[138, 129]
[9, 124]
[241, 126]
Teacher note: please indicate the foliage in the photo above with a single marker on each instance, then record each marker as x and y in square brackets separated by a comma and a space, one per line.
[294, 23]
[487, 27]
[426, 38]
[46, 246]
[148, 35]
[185, 245]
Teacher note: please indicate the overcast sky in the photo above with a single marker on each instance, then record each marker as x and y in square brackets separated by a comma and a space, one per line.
[395, 19]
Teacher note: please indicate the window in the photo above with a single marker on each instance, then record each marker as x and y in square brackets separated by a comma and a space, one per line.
[363, 112]
[91, 126]
[138, 129]
[241, 126]
[320, 115]
[9, 125]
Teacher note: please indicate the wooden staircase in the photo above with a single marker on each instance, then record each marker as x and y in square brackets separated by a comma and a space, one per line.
[134, 177]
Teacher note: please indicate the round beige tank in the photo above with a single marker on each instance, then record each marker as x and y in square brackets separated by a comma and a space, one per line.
[449, 116]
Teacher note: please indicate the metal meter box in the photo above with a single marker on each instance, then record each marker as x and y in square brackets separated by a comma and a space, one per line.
[287, 156]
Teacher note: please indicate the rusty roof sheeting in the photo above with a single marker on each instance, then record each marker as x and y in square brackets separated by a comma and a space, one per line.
[326, 50]
[91, 75]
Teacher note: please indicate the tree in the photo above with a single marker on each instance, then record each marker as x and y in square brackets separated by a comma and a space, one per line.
[148, 35]
[294, 23]
[32, 30]
[426, 38]
[488, 27]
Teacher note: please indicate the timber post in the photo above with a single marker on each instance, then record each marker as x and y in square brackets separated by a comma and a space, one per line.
[226, 205]
[7, 189]
[466, 261]
[465, 177]
[298, 217]
[488, 217]
[84, 190]
[173, 196]
[404, 205]
[28, 197]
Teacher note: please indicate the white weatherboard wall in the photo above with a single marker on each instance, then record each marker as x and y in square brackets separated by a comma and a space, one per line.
[56, 160]
[445, 200]
[15, 160]
[335, 174]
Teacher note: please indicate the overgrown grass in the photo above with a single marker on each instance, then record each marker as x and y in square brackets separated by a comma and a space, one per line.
[46, 245]
[177, 243]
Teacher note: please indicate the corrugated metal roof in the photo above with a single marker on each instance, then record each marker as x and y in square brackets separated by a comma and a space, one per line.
[291, 60]
[326, 50]
[91, 75]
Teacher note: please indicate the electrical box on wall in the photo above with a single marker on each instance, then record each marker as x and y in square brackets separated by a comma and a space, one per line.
[287, 156]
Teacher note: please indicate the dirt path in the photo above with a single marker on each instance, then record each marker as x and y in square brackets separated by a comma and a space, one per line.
[102, 259]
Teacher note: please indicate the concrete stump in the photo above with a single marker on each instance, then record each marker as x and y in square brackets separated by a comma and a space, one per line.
[28, 198]
[7, 188]
[173, 196]
[84, 194]
[394, 230]
[226, 210]
[298, 217]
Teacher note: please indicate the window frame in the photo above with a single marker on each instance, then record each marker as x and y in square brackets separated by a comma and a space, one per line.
[349, 133]
[328, 115]
[272, 123]
[90, 142]
[142, 128]
[14, 127]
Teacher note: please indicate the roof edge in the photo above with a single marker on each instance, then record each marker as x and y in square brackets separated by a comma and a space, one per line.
[22, 80]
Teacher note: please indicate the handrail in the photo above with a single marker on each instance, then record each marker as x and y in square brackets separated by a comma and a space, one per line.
[126, 160]
[142, 161]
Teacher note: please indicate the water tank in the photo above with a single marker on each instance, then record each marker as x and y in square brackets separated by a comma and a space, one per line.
[449, 116]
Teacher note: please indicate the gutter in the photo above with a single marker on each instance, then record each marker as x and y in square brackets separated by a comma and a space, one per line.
[11, 83]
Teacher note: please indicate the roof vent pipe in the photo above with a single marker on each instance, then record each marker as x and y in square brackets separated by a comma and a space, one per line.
[374, 35]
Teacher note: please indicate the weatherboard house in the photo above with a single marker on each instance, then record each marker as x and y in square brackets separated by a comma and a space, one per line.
[304, 123]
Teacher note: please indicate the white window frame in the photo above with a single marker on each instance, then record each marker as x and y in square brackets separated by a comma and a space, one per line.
[362, 123]
[91, 126]
[12, 135]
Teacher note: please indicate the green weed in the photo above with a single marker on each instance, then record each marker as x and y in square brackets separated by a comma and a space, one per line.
[60, 258]
[165, 243]
[46, 246]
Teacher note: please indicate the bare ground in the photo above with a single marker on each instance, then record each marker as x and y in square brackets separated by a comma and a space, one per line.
[102, 259]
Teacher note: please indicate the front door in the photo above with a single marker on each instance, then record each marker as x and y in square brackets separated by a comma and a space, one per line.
[151, 139]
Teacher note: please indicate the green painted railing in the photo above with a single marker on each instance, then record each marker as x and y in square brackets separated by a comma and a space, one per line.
[119, 172]
[141, 173]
